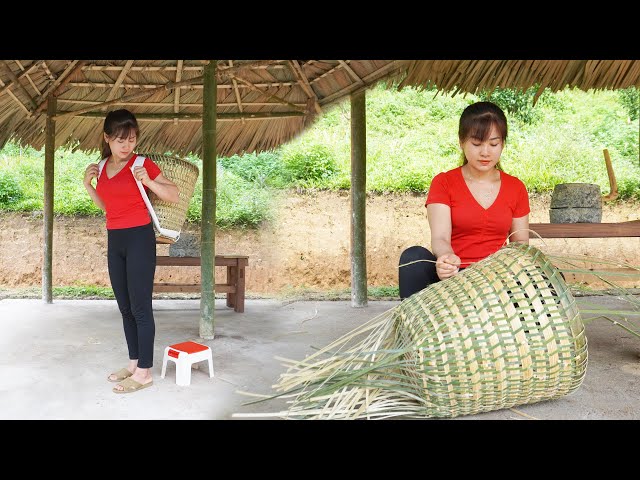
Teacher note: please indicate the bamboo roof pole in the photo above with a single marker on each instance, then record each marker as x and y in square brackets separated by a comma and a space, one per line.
[208, 218]
[123, 73]
[304, 83]
[237, 93]
[176, 92]
[49, 151]
[358, 200]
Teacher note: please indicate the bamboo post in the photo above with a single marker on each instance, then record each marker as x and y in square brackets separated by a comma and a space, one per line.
[49, 150]
[208, 222]
[358, 201]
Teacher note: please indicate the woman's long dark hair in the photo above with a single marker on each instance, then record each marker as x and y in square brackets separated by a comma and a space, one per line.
[118, 124]
[476, 122]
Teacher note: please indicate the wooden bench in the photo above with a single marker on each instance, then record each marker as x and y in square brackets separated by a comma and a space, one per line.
[585, 230]
[234, 286]
[588, 230]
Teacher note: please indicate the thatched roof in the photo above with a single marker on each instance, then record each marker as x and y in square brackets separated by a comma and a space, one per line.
[261, 104]
[474, 75]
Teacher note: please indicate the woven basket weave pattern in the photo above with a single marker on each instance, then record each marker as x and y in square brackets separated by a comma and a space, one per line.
[503, 333]
[185, 175]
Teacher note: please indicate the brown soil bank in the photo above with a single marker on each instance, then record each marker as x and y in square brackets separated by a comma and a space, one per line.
[306, 246]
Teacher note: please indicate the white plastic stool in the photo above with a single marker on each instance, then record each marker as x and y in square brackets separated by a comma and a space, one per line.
[184, 355]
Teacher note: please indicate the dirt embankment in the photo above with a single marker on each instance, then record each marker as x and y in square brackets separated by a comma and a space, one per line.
[306, 246]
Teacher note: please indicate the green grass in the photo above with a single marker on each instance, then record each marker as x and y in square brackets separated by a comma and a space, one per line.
[82, 291]
[411, 136]
[64, 292]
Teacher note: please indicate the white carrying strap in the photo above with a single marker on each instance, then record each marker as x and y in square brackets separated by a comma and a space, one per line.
[139, 162]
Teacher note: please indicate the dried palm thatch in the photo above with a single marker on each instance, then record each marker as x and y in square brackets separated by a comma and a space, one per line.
[261, 103]
[504, 332]
[474, 75]
[185, 175]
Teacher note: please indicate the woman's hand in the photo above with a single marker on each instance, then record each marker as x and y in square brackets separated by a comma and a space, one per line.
[141, 174]
[447, 265]
[90, 173]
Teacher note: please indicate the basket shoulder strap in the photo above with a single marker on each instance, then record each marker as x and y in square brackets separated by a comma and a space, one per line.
[101, 166]
[139, 162]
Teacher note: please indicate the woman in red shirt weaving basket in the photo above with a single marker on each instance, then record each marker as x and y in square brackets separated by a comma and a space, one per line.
[471, 209]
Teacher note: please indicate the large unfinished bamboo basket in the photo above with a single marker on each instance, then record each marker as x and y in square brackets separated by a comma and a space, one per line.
[503, 332]
[185, 175]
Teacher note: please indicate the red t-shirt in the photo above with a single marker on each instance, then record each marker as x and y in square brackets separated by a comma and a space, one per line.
[477, 232]
[123, 202]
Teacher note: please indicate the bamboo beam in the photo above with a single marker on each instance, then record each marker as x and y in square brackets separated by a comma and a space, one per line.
[221, 74]
[208, 217]
[350, 71]
[19, 86]
[151, 86]
[59, 82]
[304, 83]
[358, 201]
[198, 116]
[236, 92]
[251, 86]
[168, 87]
[12, 95]
[7, 86]
[166, 68]
[49, 151]
[328, 72]
[161, 104]
[225, 73]
[369, 79]
[45, 67]
[120, 79]
[26, 74]
[176, 92]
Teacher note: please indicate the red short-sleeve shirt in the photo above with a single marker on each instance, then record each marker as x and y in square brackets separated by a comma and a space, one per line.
[477, 232]
[123, 203]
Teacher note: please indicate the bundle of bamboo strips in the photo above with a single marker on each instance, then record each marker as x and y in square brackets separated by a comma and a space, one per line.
[503, 332]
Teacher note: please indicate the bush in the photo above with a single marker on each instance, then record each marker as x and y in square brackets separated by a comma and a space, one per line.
[519, 103]
[239, 203]
[263, 168]
[10, 191]
[630, 100]
[309, 163]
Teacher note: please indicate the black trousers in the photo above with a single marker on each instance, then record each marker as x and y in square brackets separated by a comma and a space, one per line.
[416, 276]
[131, 258]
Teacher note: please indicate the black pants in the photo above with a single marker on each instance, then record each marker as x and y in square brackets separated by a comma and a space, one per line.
[131, 257]
[413, 278]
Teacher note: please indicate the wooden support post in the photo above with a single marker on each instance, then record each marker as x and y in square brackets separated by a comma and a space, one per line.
[208, 222]
[49, 151]
[358, 201]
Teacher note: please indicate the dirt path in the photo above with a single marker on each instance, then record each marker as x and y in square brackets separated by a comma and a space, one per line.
[305, 247]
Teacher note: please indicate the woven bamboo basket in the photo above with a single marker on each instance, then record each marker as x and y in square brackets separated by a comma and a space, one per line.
[185, 175]
[503, 332]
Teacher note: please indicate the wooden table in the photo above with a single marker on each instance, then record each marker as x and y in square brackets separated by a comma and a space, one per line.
[234, 286]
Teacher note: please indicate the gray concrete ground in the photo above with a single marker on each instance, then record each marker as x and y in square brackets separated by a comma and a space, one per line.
[56, 357]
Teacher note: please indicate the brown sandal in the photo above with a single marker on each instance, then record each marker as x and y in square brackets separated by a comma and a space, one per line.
[120, 375]
[130, 386]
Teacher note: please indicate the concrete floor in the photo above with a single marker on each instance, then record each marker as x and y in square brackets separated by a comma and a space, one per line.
[56, 358]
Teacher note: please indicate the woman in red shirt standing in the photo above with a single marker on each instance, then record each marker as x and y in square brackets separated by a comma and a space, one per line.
[473, 208]
[131, 250]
